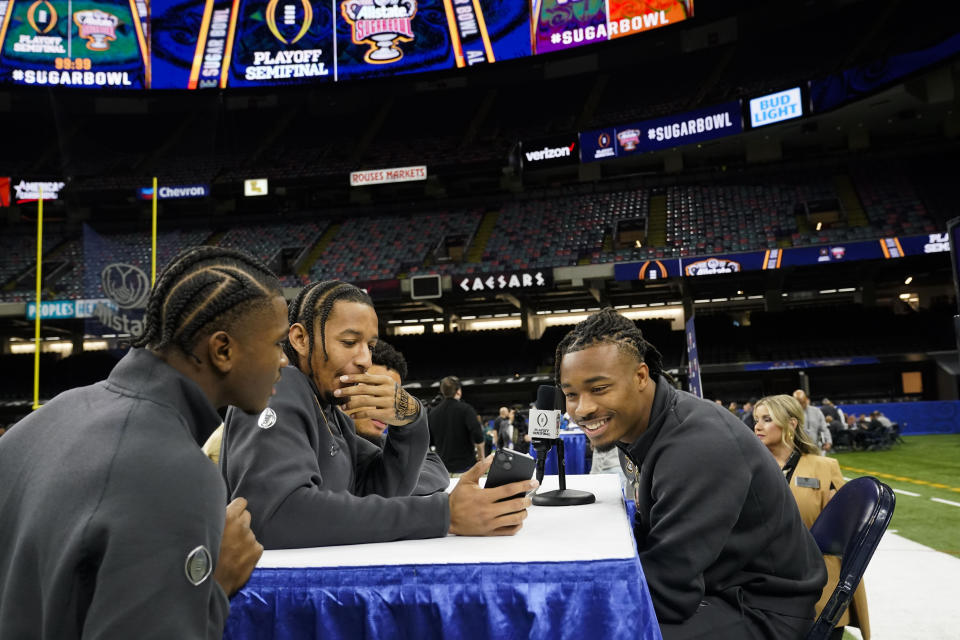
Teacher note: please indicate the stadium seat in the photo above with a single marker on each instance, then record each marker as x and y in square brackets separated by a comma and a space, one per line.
[850, 526]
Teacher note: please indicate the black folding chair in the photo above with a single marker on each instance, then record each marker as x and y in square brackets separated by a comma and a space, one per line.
[850, 526]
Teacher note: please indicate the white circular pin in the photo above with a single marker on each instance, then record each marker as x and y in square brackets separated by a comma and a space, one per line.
[267, 419]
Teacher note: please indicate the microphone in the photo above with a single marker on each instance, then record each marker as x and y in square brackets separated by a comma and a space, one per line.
[545, 433]
[544, 425]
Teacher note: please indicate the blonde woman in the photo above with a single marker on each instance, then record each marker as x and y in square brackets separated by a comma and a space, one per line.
[813, 479]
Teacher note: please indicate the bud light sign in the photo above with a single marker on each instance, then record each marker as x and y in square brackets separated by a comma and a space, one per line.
[776, 107]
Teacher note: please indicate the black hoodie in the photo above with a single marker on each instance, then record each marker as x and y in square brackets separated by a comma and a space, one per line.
[714, 515]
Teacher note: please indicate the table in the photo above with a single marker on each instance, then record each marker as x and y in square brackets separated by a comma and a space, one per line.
[571, 572]
[574, 452]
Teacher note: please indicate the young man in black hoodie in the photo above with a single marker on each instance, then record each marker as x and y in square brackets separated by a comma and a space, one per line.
[721, 542]
[112, 521]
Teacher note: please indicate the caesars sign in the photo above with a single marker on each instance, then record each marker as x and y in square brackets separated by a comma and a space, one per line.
[128, 287]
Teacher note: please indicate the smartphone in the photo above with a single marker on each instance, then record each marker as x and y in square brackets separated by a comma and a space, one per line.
[510, 466]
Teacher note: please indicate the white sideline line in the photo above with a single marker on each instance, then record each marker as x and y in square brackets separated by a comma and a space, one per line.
[941, 500]
[907, 493]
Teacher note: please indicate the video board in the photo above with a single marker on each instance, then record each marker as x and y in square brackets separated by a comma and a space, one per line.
[565, 24]
[74, 43]
[197, 44]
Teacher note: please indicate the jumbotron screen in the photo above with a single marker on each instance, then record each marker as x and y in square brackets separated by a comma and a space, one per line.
[196, 44]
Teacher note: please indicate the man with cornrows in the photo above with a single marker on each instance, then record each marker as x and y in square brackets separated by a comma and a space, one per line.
[311, 480]
[723, 548]
[112, 520]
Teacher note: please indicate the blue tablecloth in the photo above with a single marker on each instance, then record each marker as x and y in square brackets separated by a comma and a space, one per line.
[462, 587]
[574, 452]
[601, 599]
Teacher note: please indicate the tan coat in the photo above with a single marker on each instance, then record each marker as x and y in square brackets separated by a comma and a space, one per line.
[811, 502]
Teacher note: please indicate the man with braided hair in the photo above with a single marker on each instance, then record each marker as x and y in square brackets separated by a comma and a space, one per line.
[723, 547]
[112, 521]
[311, 480]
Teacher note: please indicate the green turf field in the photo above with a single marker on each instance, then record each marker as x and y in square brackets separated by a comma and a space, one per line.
[925, 465]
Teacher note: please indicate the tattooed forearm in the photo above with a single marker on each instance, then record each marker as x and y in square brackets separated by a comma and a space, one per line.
[405, 406]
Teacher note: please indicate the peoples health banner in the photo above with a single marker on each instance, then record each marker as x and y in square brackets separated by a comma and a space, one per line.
[626, 140]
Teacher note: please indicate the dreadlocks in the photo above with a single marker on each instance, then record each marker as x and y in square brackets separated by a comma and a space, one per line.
[319, 298]
[202, 286]
[385, 355]
[609, 327]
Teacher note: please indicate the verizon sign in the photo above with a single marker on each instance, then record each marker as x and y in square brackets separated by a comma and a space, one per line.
[386, 176]
[550, 152]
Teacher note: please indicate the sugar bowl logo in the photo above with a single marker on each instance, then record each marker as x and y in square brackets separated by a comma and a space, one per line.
[128, 288]
[711, 266]
[381, 23]
[97, 27]
[42, 16]
[288, 19]
[629, 139]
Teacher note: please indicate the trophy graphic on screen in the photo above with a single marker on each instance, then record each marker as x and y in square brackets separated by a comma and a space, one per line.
[382, 23]
[98, 27]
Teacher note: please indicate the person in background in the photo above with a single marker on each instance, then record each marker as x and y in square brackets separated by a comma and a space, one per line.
[521, 435]
[390, 362]
[503, 428]
[455, 428]
[112, 522]
[722, 556]
[747, 416]
[815, 425]
[813, 480]
[830, 410]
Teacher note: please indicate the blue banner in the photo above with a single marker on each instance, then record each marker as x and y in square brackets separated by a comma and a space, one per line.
[914, 418]
[879, 249]
[649, 270]
[808, 363]
[925, 244]
[854, 84]
[625, 140]
[729, 263]
[693, 362]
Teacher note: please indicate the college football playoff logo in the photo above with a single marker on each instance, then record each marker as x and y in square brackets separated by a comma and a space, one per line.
[382, 24]
[289, 18]
[42, 16]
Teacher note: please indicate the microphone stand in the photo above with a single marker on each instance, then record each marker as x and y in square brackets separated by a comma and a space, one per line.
[561, 497]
